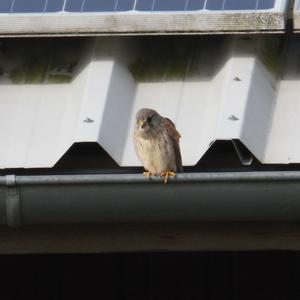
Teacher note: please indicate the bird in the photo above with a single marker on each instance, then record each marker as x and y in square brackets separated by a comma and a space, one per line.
[156, 143]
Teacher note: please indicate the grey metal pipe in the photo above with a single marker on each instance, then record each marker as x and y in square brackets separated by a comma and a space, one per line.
[191, 197]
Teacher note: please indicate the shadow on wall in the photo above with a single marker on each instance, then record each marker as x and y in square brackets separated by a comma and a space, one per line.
[171, 59]
[199, 57]
[40, 61]
[57, 60]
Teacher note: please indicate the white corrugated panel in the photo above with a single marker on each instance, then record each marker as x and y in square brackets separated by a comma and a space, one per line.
[221, 89]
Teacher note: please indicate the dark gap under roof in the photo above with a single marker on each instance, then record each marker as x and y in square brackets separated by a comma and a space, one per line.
[90, 158]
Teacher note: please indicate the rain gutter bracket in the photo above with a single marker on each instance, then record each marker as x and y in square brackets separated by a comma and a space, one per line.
[13, 202]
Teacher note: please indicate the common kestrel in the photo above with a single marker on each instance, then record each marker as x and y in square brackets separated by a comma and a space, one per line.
[156, 142]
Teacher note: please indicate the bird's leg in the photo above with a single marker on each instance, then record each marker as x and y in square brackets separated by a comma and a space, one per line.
[147, 174]
[166, 175]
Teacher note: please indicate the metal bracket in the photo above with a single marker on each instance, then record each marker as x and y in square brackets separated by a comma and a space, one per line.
[13, 202]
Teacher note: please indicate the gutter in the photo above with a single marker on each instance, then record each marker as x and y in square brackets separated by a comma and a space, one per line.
[132, 198]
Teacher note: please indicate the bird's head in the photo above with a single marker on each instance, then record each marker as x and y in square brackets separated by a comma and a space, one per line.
[147, 120]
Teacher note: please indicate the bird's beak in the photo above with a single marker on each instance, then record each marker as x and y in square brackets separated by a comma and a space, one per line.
[142, 123]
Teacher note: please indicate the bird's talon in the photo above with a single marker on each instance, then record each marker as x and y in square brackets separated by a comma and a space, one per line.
[166, 175]
[147, 174]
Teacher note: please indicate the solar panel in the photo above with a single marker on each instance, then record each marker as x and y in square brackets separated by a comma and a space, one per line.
[214, 4]
[169, 5]
[28, 6]
[249, 4]
[144, 5]
[239, 5]
[266, 4]
[124, 5]
[54, 5]
[5, 6]
[73, 5]
[195, 4]
[21, 6]
[99, 5]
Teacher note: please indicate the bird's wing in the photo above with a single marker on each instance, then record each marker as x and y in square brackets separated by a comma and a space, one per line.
[175, 136]
[137, 145]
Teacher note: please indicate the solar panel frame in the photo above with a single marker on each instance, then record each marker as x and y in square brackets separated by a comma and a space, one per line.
[141, 23]
[281, 5]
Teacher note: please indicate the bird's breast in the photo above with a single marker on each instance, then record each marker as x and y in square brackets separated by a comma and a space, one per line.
[156, 153]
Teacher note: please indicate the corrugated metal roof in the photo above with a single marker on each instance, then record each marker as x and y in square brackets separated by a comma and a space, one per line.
[213, 88]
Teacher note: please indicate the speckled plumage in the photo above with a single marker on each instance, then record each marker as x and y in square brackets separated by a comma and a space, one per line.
[156, 142]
